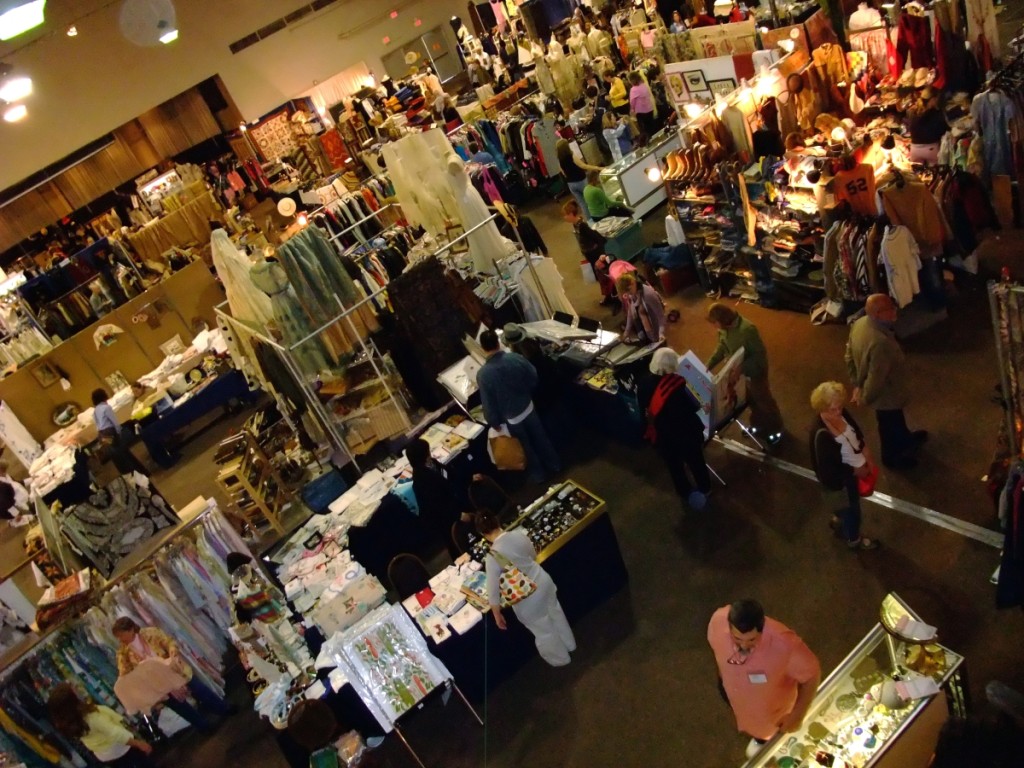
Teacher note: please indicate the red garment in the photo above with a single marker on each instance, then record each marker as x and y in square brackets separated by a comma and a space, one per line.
[914, 37]
[892, 57]
[941, 60]
[984, 51]
[703, 20]
[736, 15]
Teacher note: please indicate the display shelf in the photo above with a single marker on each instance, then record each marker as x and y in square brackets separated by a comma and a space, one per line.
[253, 486]
[848, 724]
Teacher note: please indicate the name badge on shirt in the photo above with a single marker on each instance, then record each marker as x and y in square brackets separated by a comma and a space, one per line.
[757, 678]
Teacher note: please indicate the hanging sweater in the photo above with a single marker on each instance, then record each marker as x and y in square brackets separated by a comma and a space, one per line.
[902, 262]
[913, 42]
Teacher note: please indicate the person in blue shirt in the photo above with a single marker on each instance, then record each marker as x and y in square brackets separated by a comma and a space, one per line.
[112, 436]
[506, 382]
[477, 155]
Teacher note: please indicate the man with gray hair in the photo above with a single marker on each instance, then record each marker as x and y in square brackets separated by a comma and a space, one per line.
[674, 427]
[877, 370]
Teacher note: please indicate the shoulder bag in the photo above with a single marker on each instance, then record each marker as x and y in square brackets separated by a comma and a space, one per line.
[513, 585]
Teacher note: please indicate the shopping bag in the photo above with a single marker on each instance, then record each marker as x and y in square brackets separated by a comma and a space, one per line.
[505, 451]
[866, 484]
[514, 586]
[587, 271]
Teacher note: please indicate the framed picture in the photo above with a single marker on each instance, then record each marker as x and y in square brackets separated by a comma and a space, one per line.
[45, 374]
[676, 86]
[695, 81]
[722, 87]
[116, 381]
[173, 346]
[455, 231]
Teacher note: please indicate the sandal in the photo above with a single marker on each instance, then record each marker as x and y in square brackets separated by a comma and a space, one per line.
[863, 544]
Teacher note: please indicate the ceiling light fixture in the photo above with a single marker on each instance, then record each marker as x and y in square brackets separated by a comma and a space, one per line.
[72, 31]
[169, 36]
[19, 16]
[16, 89]
[15, 113]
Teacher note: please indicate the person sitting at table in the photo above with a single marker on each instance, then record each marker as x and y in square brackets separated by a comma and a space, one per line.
[158, 403]
[112, 436]
[598, 202]
[148, 397]
[139, 643]
[540, 612]
[434, 495]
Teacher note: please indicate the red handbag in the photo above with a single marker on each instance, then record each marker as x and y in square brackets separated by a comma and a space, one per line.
[866, 484]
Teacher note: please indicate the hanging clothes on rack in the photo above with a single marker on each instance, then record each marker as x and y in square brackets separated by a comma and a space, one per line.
[247, 303]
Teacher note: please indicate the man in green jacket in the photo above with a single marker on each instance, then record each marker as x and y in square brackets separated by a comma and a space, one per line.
[736, 332]
[876, 365]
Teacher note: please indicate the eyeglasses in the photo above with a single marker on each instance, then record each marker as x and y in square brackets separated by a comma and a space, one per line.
[740, 657]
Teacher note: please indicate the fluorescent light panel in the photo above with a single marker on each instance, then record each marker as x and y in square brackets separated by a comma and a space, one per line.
[19, 16]
[169, 36]
[16, 89]
[15, 113]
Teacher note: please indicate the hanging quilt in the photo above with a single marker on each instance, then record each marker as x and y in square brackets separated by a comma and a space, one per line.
[114, 521]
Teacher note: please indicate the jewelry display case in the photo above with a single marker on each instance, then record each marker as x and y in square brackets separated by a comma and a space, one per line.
[628, 180]
[864, 714]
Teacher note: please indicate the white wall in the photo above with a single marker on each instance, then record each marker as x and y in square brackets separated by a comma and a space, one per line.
[88, 85]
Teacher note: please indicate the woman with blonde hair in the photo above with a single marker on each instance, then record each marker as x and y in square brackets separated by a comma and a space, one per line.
[840, 456]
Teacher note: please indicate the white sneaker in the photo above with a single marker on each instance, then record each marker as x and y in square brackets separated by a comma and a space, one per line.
[753, 748]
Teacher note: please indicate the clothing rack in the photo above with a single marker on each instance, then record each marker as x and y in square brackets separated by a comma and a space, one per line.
[48, 635]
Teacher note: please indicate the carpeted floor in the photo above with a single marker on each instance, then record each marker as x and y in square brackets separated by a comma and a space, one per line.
[641, 688]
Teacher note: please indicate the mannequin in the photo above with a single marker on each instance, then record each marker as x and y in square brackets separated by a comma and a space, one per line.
[290, 321]
[873, 42]
[247, 304]
[485, 244]
[566, 82]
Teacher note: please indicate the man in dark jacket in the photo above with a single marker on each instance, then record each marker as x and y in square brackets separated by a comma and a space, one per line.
[507, 382]
[675, 427]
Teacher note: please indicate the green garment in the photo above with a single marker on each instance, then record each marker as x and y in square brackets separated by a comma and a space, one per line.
[598, 203]
[742, 334]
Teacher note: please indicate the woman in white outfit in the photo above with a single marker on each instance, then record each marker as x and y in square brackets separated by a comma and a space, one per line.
[541, 612]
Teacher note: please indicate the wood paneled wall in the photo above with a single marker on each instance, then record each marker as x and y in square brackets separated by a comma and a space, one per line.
[164, 131]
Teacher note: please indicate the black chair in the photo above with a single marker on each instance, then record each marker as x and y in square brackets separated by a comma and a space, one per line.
[408, 575]
[486, 495]
[460, 537]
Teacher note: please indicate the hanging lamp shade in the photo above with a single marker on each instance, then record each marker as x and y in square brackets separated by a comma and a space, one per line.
[148, 22]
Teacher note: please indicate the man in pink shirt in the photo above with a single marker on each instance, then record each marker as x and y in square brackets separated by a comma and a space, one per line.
[768, 674]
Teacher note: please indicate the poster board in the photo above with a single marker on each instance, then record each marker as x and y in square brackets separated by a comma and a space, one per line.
[719, 395]
[386, 659]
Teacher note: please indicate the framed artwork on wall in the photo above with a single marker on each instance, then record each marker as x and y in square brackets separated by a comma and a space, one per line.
[695, 81]
[722, 87]
[45, 374]
[676, 86]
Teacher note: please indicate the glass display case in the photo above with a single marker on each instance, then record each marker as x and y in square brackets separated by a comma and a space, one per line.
[628, 180]
[864, 716]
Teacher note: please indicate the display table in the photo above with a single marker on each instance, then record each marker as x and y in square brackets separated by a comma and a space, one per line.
[188, 224]
[226, 387]
[848, 720]
[586, 565]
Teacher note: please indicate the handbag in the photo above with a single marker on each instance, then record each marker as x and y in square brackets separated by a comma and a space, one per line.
[513, 585]
[506, 451]
[866, 484]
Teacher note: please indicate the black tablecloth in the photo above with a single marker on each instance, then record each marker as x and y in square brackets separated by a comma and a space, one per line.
[75, 490]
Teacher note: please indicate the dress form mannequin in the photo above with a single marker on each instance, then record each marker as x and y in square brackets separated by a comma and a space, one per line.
[247, 304]
[485, 244]
[416, 166]
[289, 319]
[566, 84]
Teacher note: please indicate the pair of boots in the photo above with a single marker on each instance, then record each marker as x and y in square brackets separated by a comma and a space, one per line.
[692, 166]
